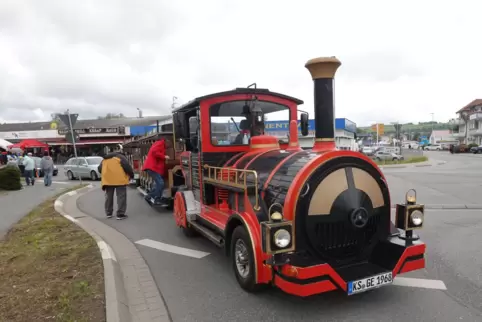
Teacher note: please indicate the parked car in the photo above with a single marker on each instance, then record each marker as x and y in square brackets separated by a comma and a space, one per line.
[434, 147]
[39, 171]
[461, 148]
[368, 150]
[83, 167]
[476, 149]
[387, 156]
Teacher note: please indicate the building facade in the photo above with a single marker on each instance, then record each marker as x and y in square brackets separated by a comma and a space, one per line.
[469, 123]
[345, 131]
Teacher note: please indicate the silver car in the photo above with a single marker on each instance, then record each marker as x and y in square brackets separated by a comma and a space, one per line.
[83, 167]
[387, 156]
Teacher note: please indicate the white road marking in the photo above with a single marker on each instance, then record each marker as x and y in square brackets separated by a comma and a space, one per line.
[61, 182]
[419, 282]
[172, 249]
[106, 251]
[72, 219]
[58, 204]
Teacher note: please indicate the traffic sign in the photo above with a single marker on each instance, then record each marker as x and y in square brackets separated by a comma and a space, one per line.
[65, 119]
[68, 137]
[381, 128]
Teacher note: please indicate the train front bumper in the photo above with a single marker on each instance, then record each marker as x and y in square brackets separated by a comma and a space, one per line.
[389, 259]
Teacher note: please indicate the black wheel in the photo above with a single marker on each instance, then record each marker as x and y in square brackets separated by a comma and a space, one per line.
[394, 159]
[93, 176]
[70, 175]
[242, 258]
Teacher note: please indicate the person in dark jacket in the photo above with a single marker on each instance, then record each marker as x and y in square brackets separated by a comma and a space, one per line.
[115, 172]
[155, 168]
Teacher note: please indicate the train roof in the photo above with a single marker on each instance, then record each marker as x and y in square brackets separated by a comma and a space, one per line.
[239, 90]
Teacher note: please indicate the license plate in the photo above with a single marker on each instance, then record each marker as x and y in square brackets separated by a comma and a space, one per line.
[136, 175]
[369, 283]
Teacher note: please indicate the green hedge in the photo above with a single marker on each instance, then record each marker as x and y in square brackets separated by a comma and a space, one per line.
[10, 178]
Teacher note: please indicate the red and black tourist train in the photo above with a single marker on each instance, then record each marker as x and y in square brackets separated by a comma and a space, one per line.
[305, 221]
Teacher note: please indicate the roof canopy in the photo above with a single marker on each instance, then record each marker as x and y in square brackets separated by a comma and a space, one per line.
[4, 144]
[26, 144]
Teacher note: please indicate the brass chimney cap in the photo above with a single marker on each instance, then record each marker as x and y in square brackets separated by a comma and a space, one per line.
[323, 67]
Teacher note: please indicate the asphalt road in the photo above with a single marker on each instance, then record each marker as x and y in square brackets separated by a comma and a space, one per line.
[205, 289]
[16, 204]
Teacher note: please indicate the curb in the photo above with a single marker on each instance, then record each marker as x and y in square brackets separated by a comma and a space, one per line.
[450, 206]
[130, 291]
[413, 165]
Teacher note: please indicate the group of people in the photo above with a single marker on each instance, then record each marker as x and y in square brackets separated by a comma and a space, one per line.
[117, 172]
[26, 165]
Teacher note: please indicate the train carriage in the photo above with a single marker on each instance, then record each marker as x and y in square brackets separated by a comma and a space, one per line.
[305, 221]
[136, 151]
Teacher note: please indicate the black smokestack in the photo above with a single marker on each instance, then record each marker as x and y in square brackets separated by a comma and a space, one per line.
[323, 71]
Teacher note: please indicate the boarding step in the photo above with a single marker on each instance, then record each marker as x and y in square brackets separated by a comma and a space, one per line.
[208, 233]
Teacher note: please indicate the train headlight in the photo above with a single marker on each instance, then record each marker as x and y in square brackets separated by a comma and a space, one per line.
[282, 238]
[277, 237]
[416, 217]
[409, 216]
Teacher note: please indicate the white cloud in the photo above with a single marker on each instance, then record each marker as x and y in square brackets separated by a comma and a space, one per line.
[401, 60]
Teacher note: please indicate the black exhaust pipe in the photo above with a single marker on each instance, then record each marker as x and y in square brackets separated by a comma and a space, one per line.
[323, 71]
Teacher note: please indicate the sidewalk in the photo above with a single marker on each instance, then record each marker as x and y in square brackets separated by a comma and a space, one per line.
[17, 204]
[130, 289]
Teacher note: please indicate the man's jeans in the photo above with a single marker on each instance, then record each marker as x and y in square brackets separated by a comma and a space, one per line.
[156, 192]
[48, 178]
[121, 193]
[29, 178]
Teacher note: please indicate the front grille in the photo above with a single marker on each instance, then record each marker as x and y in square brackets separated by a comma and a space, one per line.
[340, 240]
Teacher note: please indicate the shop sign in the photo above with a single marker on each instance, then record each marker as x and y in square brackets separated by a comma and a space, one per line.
[104, 130]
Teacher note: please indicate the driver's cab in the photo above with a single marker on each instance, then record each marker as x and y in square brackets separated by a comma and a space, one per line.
[225, 122]
[212, 131]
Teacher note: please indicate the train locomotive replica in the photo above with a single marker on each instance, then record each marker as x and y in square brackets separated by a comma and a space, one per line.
[305, 221]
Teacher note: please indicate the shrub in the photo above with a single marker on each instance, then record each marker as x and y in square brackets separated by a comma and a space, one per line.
[472, 145]
[10, 178]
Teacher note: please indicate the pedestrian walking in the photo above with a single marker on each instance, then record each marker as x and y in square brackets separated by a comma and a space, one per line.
[115, 172]
[47, 166]
[29, 164]
[155, 168]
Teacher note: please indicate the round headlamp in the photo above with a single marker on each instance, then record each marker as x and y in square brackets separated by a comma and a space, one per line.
[282, 238]
[417, 217]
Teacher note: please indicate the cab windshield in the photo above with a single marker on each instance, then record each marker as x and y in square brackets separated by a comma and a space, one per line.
[232, 122]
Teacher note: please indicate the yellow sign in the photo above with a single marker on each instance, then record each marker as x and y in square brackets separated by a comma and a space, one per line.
[381, 128]
[53, 125]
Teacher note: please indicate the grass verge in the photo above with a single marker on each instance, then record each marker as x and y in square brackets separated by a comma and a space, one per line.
[51, 270]
[409, 160]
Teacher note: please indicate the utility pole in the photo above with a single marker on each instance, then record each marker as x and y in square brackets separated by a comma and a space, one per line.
[432, 127]
[73, 140]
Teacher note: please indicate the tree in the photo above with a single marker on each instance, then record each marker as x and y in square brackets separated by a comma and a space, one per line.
[110, 116]
[416, 136]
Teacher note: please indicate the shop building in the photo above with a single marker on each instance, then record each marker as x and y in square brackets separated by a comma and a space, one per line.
[94, 137]
[345, 131]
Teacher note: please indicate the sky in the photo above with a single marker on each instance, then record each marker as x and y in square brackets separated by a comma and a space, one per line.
[401, 60]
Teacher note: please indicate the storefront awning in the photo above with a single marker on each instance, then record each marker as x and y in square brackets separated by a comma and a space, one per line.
[90, 142]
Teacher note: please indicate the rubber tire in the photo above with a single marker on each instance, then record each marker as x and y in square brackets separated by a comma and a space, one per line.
[248, 284]
[70, 175]
[188, 231]
[93, 176]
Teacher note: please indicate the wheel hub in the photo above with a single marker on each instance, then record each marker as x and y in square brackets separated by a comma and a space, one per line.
[242, 259]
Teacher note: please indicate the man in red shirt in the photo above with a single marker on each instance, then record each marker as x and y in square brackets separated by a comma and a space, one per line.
[155, 168]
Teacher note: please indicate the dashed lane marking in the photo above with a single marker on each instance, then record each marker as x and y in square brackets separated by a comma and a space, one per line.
[172, 249]
[419, 282]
